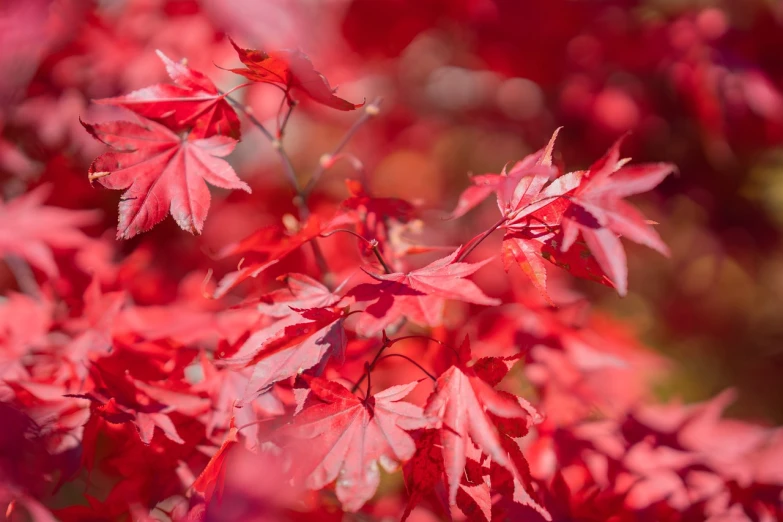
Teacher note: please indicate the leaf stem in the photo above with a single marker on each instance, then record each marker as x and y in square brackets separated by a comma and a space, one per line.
[372, 243]
[232, 89]
[477, 242]
[368, 373]
[387, 343]
[379, 256]
[253, 423]
[417, 365]
[425, 337]
[281, 130]
[369, 367]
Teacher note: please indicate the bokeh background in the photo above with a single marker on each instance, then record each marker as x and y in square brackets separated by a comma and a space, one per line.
[468, 85]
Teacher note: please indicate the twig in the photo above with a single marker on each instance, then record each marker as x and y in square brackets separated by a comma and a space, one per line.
[281, 129]
[288, 168]
[290, 174]
[370, 111]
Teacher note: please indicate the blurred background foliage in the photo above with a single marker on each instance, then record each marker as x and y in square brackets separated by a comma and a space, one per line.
[469, 85]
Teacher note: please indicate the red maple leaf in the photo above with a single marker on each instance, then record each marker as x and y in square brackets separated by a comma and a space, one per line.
[424, 471]
[468, 406]
[481, 480]
[418, 295]
[163, 172]
[223, 386]
[345, 438]
[372, 215]
[290, 346]
[600, 214]
[302, 292]
[532, 202]
[293, 72]
[515, 489]
[267, 246]
[513, 187]
[533, 249]
[29, 229]
[92, 332]
[211, 481]
[194, 103]
[119, 398]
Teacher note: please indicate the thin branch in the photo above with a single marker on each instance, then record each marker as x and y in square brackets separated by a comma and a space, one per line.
[246, 111]
[290, 174]
[277, 117]
[281, 129]
[288, 167]
[370, 111]
[417, 365]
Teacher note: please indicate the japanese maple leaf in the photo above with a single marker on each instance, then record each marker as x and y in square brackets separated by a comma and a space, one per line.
[224, 386]
[419, 295]
[535, 249]
[59, 417]
[532, 202]
[371, 215]
[24, 323]
[425, 473]
[290, 346]
[515, 489]
[599, 212]
[92, 332]
[30, 230]
[120, 399]
[474, 497]
[293, 72]
[163, 172]
[212, 480]
[302, 292]
[468, 406]
[193, 103]
[360, 199]
[267, 246]
[513, 186]
[344, 438]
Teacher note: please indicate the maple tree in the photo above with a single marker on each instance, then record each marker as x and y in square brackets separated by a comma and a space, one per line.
[352, 355]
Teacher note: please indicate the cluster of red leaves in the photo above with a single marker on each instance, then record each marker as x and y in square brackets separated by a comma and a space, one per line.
[114, 409]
